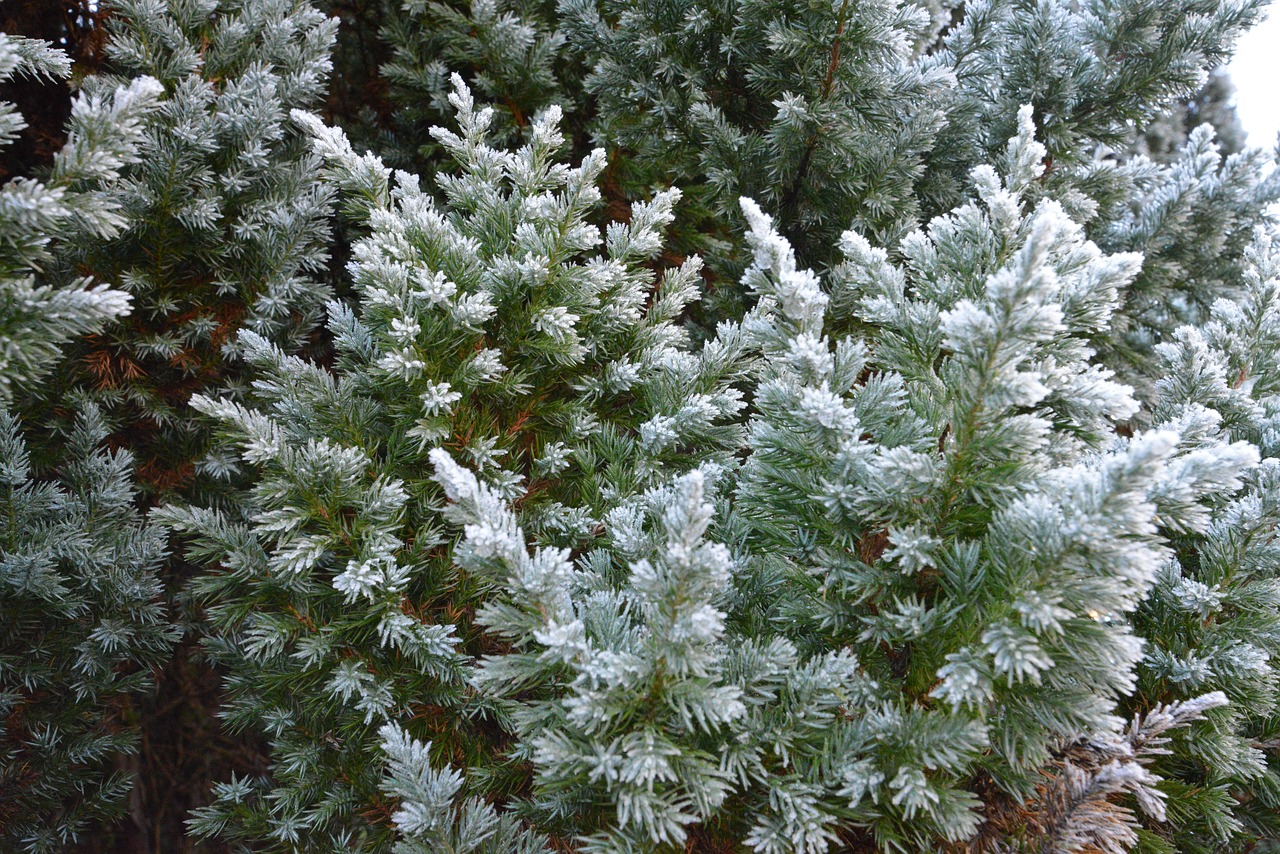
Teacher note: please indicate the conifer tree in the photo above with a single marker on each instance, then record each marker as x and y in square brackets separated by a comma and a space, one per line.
[511, 54]
[77, 203]
[226, 219]
[936, 513]
[1211, 620]
[1193, 220]
[501, 325]
[983, 424]
[1093, 72]
[952, 444]
[1096, 74]
[819, 112]
[81, 619]
[866, 116]
[221, 225]
[81, 624]
[967, 425]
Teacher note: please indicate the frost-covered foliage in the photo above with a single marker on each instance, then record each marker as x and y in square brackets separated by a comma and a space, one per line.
[80, 617]
[658, 721]
[923, 633]
[1094, 71]
[76, 203]
[226, 219]
[1097, 75]
[817, 111]
[509, 52]
[945, 495]
[936, 512]
[1214, 617]
[831, 116]
[81, 625]
[1193, 220]
[430, 820]
[502, 326]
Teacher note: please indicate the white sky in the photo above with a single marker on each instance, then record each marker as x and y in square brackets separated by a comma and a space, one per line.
[1255, 71]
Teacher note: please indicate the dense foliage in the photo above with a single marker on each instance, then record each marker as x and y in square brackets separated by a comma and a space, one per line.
[614, 426]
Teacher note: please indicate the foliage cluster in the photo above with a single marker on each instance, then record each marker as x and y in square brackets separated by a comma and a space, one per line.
[680, 425]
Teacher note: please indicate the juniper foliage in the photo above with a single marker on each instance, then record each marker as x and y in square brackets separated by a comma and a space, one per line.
[1193, 220]
[227, 220]
[934, 512]
[510, 53]
[1212, 616]
[75, 204]
[1093, 72]
[501, 325]
[819, 112]
[81, 624]
[956, 484]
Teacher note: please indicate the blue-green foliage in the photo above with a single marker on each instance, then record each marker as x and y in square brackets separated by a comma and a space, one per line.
[499, 324]
[227, 220]
[946, 522]
[818, 111]
[81, 625]
[79, 202]
[1213, 617]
